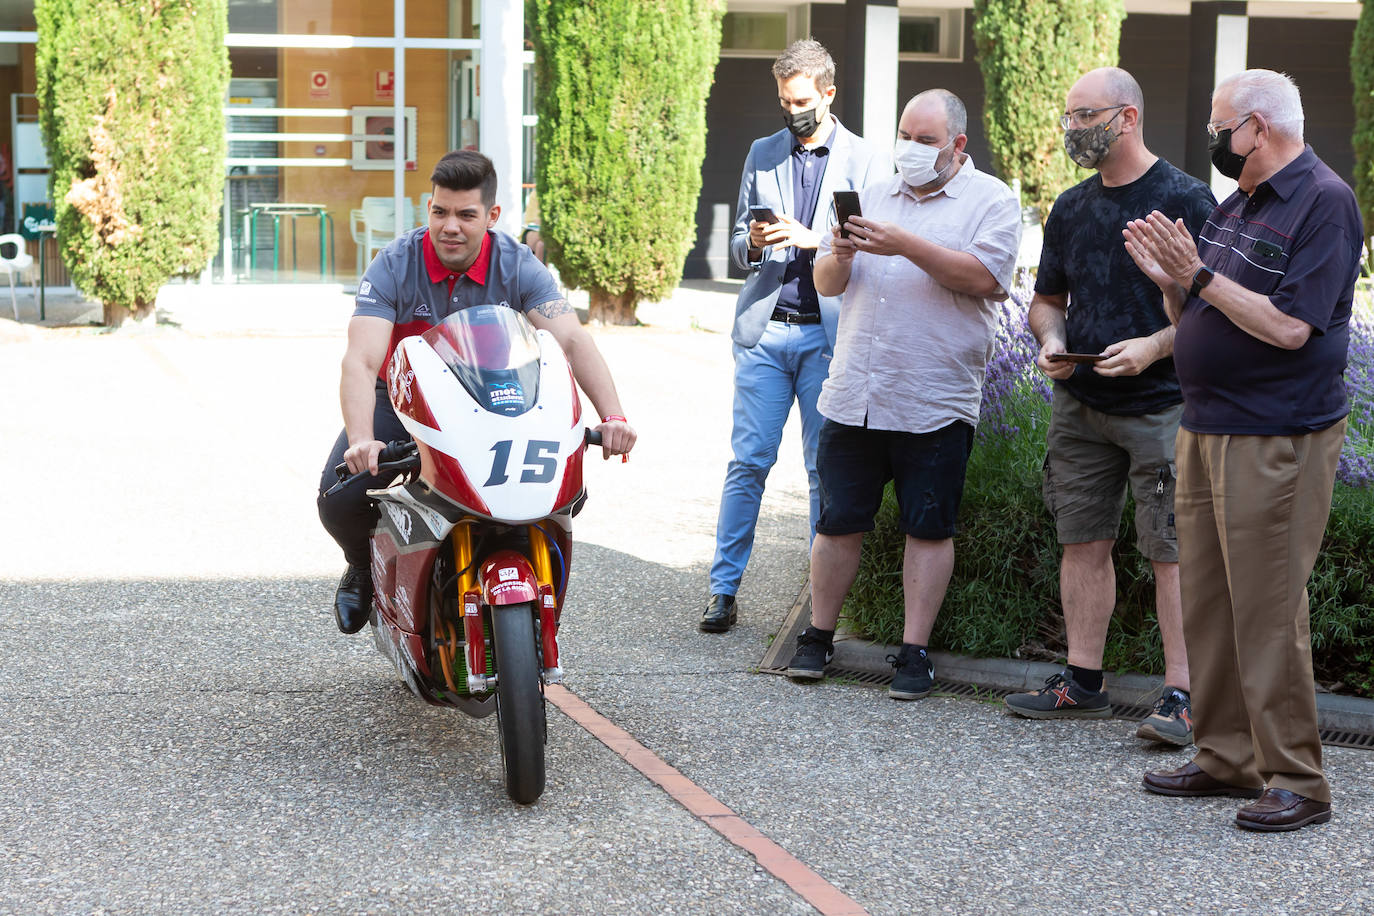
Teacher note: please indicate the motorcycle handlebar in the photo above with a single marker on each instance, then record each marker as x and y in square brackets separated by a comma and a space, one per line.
[400, 455]
[403, 455]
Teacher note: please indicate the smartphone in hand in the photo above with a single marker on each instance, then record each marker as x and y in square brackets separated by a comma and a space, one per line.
[763, 215]
[1075, 357]
[846, 205]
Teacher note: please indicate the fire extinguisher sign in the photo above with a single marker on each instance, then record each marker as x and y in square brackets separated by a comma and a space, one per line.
[384, 84]
[319, 84]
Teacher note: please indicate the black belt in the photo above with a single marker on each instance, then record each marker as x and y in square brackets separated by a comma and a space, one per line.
[796, 317]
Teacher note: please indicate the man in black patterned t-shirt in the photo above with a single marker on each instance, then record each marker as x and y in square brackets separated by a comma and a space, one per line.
[1115, 414]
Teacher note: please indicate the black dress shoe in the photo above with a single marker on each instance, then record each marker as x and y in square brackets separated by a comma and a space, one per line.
[1279, 809]
[1192, 781]
[353, 600]
[720, 614]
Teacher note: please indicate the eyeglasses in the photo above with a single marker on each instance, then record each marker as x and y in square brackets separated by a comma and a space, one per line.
[1216, 127]
[1079, 117]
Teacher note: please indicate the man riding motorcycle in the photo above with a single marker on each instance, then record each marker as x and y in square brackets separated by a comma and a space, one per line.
[459, 260]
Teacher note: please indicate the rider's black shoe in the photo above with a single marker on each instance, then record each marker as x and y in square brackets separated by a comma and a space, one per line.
[353, 600]
[720, 614]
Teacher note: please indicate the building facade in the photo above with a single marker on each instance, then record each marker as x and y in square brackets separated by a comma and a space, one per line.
[318, 177]
[886, 51]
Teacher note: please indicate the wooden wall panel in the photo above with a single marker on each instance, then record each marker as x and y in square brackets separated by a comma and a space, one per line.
[352, 74]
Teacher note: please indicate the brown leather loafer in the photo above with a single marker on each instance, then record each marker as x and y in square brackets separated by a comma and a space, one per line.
[1190, 780]
[1279, 809]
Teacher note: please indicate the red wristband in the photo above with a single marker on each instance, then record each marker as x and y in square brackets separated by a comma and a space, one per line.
[611, 417]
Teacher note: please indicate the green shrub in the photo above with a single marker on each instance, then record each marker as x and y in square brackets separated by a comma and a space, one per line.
[1003, 599]
[1362, 76]
[1031, 52]
[621, 95]
[130, 96]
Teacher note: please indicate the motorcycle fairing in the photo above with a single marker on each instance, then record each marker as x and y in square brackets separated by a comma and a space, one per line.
[515, 469]
[404, 545]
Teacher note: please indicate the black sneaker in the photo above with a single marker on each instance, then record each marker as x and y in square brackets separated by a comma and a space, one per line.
[814, 652]
[1171, 722]
[914, 675]
[1060, 698]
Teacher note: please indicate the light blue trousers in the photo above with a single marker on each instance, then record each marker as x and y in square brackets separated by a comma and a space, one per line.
[789, 361]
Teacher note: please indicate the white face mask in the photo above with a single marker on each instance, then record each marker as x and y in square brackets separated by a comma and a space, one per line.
[916, 162]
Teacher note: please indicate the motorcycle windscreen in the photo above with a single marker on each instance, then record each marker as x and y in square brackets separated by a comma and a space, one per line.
[493, 352]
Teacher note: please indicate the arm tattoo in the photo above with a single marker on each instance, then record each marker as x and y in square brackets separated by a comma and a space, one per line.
[553, 308]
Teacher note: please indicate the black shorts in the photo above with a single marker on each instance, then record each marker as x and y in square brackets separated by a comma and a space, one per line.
[927, 469]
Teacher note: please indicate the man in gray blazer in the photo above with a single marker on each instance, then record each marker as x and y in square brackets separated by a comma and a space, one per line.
[784, 332]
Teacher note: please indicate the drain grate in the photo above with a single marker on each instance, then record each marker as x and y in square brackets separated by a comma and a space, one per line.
[1330, 737]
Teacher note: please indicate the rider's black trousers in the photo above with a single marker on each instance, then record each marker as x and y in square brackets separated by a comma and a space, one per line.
[349, 515]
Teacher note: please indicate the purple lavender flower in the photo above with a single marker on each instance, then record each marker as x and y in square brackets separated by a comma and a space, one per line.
[1013, 389]
[1356, 466]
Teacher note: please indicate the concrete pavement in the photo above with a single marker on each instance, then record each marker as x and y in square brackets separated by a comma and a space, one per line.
[185, 730]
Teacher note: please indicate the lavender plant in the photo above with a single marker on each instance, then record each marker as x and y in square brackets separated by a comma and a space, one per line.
[1356, 468]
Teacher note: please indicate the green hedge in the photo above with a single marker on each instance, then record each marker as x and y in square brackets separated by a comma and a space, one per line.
[1031, 52]
[1362, 78]
[621, 89]
[130, 97]
[1003, 600]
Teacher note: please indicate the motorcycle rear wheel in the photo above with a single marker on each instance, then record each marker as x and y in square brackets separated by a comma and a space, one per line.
[519, 701]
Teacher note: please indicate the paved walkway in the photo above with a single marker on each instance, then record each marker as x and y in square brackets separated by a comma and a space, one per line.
[185, 731]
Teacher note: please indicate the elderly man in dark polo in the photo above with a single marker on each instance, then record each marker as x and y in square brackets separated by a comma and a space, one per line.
[1262, 304]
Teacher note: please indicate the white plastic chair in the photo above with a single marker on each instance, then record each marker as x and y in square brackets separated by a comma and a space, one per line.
[373, 226]
[21, 262]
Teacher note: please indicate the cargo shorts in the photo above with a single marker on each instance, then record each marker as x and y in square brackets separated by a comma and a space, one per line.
[1091, 459]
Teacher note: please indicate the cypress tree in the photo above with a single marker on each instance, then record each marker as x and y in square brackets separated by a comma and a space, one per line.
[1031, 52]
[1362, 76]
[621, 88]
[130, 96]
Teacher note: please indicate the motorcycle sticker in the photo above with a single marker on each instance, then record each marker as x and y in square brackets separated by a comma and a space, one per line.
[401, 519]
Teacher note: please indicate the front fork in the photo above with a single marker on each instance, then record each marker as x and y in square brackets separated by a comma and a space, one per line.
[479, 679]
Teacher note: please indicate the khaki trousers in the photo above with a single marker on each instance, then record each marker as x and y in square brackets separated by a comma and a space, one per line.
[1250, 513]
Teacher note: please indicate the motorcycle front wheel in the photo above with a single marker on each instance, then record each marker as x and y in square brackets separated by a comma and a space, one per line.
[519, 701]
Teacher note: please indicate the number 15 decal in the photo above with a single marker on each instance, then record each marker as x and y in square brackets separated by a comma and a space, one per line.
[541, 462]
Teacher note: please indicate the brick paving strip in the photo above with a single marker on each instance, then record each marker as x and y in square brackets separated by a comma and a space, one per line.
[812, 888]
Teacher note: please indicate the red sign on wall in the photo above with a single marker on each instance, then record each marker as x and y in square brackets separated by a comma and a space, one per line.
[319, 84]
[384, 84]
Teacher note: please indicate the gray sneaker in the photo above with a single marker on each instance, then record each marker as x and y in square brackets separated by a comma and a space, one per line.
[1171, 722]
[1060, 698]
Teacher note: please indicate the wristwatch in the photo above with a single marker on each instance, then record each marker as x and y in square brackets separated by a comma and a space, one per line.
[1203, 276]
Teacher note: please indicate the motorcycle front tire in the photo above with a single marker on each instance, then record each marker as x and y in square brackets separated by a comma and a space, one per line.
[519, 701]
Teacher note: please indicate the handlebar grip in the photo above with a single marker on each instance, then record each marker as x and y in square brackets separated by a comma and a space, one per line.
[395, 450]
[592, 436]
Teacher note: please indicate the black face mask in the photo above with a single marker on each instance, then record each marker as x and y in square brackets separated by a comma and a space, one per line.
[1228, 163]
[803, 124]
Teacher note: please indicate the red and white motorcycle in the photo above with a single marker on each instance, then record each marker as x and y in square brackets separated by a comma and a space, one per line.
[471, 554]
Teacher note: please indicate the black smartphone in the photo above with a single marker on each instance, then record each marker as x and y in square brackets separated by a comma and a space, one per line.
[763, 214]
[846, 205]
[1075, 357]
